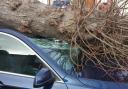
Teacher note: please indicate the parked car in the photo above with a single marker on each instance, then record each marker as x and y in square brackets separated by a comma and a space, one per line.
[26, 63]
[61, 3]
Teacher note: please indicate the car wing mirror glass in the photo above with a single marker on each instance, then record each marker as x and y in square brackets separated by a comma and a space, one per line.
[44, 78]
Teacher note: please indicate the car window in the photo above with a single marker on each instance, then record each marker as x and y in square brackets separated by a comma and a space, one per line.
[16, 57]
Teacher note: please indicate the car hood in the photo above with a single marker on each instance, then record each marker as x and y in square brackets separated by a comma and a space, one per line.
[98, 84]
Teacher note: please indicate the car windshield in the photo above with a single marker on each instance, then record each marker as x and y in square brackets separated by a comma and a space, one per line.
[59, 51]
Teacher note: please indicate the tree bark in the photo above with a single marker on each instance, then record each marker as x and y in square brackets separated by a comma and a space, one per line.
[31, 16]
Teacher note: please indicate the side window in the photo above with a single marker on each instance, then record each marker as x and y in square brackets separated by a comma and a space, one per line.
[16, 57]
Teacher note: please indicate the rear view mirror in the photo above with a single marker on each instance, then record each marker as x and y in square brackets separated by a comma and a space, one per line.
[44, 78]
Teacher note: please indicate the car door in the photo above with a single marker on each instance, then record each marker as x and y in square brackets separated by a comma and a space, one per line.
[19, 65]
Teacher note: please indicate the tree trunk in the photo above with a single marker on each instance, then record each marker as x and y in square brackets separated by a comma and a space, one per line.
[31, 16]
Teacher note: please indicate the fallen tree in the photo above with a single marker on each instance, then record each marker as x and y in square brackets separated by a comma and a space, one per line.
[31, 16]
[101, 34]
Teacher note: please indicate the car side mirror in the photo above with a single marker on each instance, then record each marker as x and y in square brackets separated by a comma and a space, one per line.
[44, 78]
